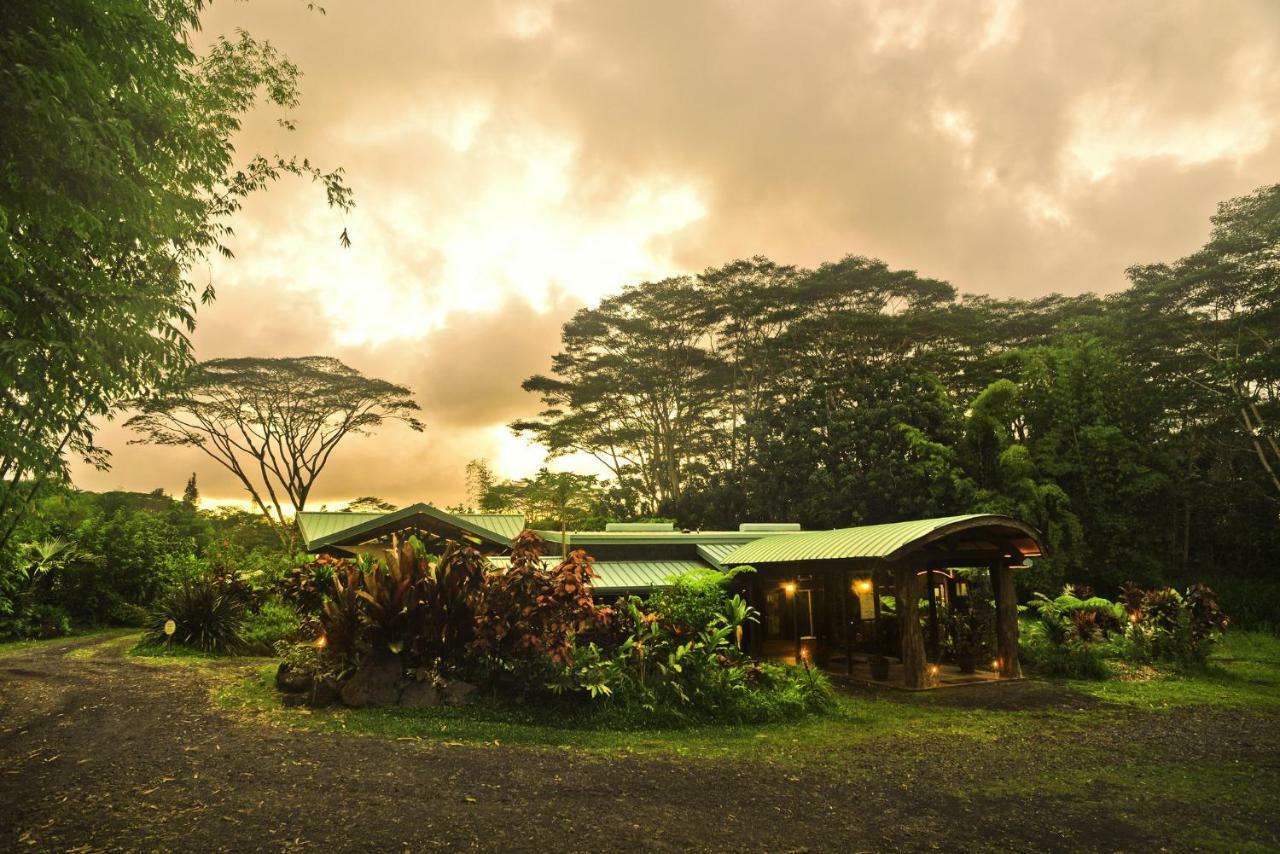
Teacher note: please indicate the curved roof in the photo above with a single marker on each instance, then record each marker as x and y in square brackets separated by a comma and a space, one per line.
[973, 535]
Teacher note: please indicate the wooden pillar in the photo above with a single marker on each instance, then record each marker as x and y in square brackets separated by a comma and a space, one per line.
[1006, 621]
[934, 641]
[755, 598]
[845, 590]
[907, 592]
[795, 611]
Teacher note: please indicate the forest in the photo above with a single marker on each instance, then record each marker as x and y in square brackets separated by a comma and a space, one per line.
[1137, 430]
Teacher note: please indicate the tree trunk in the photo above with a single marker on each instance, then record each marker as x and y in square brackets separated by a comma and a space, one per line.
[1006, 621]
[907, 593]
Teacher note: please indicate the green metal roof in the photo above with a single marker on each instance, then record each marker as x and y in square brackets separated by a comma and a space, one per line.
[376, 525]
[661, 538]
[315, 525]
[714, 553]
[506, 524]
[881, 541]
[619, 575]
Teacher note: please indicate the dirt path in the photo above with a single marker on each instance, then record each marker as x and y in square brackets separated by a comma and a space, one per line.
[100, 751]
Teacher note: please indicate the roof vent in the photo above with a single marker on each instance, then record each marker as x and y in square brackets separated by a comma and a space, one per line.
[641, 527]
[757, 527]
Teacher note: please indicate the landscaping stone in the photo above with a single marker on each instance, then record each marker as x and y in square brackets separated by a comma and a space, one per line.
[293, 700]
[325, 692]
[375, 683]
[459, 693]
[291, 681]
[420, 695]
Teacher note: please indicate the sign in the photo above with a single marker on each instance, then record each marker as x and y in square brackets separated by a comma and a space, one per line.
[170, 627]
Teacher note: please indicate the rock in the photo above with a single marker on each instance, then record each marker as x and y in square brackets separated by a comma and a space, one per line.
[420, 695]
[291, 681]
[459, 693]
[375, 683]
[324, 692]
[293, 700]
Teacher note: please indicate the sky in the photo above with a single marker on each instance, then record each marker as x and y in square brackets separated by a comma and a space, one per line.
[514, 161]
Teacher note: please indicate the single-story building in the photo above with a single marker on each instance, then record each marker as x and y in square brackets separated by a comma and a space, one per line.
[821, 594]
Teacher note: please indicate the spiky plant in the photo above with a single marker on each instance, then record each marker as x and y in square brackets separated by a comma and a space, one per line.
[207, 617]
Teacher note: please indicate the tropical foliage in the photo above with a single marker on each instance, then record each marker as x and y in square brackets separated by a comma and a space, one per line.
[118, 175]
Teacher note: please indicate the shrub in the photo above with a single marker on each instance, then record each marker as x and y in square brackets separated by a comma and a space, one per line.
[208, 617]
[270, 624]
[664, 669]
[529, 612]
[411, 603]
[1165, 625]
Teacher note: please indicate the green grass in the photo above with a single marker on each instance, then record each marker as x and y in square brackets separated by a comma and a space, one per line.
[13, 647]
[1244, 671]
[854, 723]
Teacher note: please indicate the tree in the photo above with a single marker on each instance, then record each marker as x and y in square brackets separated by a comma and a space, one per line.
[191, 495]
[368, 504]
[556, 499]
[273, 423]
[118, 175]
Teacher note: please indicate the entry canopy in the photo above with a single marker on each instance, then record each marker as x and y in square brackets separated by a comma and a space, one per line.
[959, 540]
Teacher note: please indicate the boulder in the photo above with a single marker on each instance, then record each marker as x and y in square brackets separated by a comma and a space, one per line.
[459, 693]
[293, 700]
[420, 695]
[324, 692]
[376, 682]
[292, 681]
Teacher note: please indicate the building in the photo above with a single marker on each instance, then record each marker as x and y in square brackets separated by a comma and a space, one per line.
[822, 595]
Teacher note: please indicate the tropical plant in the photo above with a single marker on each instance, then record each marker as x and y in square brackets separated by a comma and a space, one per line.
[265, 627]
[206, 616]
[529, 612]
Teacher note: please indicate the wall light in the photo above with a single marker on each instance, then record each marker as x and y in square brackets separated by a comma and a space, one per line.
[790, 587]
[863, 586]
[995, 664]
[322, 642]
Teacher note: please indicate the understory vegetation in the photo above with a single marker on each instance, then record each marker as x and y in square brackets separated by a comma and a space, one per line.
[425, 629]
[1080, 635]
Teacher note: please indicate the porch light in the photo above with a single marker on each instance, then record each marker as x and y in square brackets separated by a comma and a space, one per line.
[790, 587]
[995, 664]
[933, 670]
[862, 586]
[321, 642]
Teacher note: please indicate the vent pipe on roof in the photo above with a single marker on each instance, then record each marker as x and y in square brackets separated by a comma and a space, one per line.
[757, 527]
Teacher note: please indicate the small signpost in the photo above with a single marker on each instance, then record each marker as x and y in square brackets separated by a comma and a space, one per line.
[170, 627]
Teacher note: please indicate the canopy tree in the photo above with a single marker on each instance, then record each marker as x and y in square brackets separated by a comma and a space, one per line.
[118, 173]
[273, 423]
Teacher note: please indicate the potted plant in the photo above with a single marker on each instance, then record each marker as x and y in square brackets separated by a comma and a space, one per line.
[968, 630]
[879, 668]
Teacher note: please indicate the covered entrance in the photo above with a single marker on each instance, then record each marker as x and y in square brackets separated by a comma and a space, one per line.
[900, 591]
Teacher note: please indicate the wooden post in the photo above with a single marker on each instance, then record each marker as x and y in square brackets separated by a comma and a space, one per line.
[795, 613]
[755, 598]
[844, 589]
[934, 642]
[1006, 621]
[907, 592]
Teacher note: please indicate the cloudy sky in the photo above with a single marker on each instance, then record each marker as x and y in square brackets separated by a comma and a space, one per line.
[513, 161]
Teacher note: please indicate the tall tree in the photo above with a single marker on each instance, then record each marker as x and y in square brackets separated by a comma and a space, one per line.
[117, 175]
[191, 494]
[273, 423]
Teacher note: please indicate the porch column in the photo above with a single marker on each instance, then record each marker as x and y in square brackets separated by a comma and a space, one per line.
[1006, 620]
[907, 593]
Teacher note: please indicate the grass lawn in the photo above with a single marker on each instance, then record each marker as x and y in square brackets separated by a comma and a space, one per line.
[13, 647]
